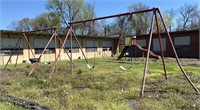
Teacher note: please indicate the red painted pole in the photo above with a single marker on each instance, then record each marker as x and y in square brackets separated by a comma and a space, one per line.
[18, 51]
[160, 44]
[11, 53]
[147, 58]
[55, 63]
[112, 16]
[80, 47]
[177, 59]
[71, 57]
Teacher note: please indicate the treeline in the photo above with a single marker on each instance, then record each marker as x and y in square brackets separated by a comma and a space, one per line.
[60, 12]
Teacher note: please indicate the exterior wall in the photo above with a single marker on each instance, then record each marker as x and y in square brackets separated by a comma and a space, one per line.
[27, 53]
[199, 39]
[1, 55]
[190, 51]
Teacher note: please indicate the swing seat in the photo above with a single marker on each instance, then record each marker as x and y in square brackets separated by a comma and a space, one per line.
[34, 60]
[90, 67]
[122, 68]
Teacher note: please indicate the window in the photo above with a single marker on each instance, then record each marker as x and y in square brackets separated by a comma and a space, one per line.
[107, 45]
[156, 45]
[142, 43]
[75, 46]
[182, 43]
[8, 46]
[40, 45]
[91, 45]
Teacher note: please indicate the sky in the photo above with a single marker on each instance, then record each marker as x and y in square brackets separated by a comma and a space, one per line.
[14, 10]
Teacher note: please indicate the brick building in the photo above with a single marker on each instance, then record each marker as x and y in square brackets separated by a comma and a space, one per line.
[186, 43]
[92, 47]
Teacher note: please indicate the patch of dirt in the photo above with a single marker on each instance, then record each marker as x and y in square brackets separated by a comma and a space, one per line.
[134, 104]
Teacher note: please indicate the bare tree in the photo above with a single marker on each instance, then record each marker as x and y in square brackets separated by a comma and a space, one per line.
[171, 13]
[88, 12]
[188, 16]
[21, 25]
[140, 22]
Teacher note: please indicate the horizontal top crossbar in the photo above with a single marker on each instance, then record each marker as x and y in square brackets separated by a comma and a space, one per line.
[42, 30]
[112, 16]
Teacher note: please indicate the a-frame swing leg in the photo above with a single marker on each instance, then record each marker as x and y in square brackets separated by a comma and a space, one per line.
[29, 46]
[64, 49]
[177, 59]
[18, 52]
[11, 53]
[147, 58]
[160, 44]
[82, 51]
[71, 66]
[56, 61]
[34, 65]
[80, 47]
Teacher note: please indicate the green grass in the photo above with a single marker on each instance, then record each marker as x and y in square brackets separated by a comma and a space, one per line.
[106, 87]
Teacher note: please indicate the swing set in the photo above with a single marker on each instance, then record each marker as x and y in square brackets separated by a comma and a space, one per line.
[155, 14]
[35, 61]
[131, 45]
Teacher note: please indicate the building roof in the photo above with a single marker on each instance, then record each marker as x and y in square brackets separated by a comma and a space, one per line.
[49, 34]
[175, 32]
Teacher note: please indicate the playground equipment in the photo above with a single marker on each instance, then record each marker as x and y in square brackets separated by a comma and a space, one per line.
[130, 46]
[70, 34]
[34, 61]
[130, 59]
[133, 45]
[155, 13]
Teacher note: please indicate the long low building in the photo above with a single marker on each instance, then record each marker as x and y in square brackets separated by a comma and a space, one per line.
[186, 43]
[91, 46]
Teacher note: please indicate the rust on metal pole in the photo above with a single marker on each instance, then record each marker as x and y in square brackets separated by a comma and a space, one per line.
[24, 35]
[160, 44]
[46, 46]
[41, 55]
[147, 58]
[28, 44]
[18, 52]
[64, 48]
[11, 53]
[80, 47]
[55, 63]
[55, 42]
[177, 59]
[71, 67]
[112, 16]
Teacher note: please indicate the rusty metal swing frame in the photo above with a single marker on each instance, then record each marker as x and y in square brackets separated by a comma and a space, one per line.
[24, 35]
[155, 13]
[55, 36]
[71, 34]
